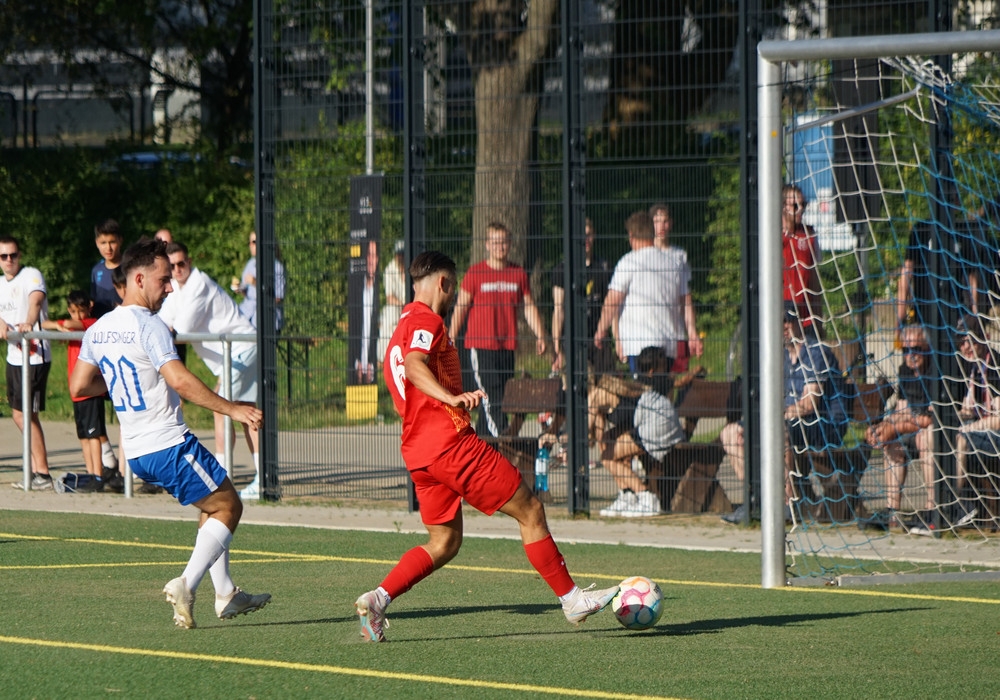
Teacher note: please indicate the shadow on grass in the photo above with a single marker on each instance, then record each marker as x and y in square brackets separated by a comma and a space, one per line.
[718, 625]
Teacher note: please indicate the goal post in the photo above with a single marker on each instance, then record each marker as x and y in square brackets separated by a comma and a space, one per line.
[773, 57]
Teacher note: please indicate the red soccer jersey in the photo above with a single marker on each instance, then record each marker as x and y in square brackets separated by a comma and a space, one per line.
[73, 351]
[801, 257]
[496, 296]
[430, 427]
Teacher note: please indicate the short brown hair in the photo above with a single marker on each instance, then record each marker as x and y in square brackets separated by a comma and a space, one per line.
[431, 262]
[640, 225]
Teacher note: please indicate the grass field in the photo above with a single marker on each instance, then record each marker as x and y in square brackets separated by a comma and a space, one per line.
[83, 617]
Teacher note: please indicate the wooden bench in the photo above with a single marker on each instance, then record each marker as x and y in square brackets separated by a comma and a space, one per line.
[521, 396]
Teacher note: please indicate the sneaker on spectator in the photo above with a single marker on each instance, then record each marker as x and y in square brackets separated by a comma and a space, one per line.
[923, 524]
[91, 485]
[251, 492]
[647, 505]
[737, 516]
[626, 499]
[150, 488]
[967, 515]
[41, 482]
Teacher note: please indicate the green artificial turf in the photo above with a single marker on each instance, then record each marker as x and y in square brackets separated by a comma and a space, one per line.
[83, 617]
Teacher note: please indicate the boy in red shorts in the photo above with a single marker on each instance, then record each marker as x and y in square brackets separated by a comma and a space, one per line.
[448, 461]
[88, 411]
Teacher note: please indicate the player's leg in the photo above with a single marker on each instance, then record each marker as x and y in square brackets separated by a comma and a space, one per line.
[194, 477]
[440, 510]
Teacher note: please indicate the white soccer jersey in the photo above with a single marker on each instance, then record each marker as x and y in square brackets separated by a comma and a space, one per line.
[129, 345]
[201, 306]
[655, 283]
[14, 295]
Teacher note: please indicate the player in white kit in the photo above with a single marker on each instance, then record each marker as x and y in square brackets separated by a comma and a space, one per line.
[130, 354]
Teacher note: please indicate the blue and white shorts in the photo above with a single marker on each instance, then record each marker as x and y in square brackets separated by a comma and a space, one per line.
[187, 471]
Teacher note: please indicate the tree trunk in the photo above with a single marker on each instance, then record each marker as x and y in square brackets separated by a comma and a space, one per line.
[505, 120]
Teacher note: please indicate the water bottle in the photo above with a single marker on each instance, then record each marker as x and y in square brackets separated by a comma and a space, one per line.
[542, 469]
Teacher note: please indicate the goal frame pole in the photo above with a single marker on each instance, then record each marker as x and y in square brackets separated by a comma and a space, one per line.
[770, 139]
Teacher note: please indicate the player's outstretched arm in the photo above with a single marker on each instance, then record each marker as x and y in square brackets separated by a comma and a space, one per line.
[192, 389]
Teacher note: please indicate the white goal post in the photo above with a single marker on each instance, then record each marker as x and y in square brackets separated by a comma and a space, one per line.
[772, 55]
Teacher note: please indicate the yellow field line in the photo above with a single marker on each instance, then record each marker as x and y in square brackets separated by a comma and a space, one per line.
[335, 670]
[274, 557]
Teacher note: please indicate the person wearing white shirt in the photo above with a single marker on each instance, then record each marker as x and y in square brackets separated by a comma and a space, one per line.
[199, 305]
[130, 354]
[24, 306]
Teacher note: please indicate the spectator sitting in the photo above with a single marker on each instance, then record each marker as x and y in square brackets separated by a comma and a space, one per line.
[907, 432]
[979, 434]
[654, 431]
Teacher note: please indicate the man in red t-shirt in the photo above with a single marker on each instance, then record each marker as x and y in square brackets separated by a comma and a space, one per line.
[491, 293]
[448, 462]
[801, 258]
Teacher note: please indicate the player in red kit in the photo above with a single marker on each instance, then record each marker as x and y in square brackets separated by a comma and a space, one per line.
[448, 461]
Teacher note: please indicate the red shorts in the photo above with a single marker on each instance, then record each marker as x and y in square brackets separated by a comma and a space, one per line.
[471, 470]
[681, 362]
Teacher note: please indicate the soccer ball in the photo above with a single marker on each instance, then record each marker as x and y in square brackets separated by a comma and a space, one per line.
[639, 603]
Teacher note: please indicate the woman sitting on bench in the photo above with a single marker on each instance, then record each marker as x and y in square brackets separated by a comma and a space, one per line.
[654, 430]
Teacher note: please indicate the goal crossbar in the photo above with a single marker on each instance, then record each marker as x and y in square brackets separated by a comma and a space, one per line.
[770, 56]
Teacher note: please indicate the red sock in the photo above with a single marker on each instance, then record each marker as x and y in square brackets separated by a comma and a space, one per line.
[413, 567]
[545, 557]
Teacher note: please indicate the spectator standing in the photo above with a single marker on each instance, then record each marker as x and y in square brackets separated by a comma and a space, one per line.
[109, 239]
[800, 250]
[663, 223]
[394, 284]
[164, 235]
[199, 305]
[906, 432]
[491, 293]
[88, 411]
[24, 307]
[655, 429]
[131, 351]
[649, 296]
[598, 274]
[247, 286]
[449, 462]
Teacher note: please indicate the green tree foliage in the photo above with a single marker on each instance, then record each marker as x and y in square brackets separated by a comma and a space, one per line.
[54, 198]
[193, 45]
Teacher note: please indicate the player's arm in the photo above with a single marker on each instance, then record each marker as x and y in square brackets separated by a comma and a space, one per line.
[534, 319]
[192, 389]
[558, 321]
[421, 377]
[695, 343]
[86, 380]
[35, 300]
[462, 305]
[613, 301]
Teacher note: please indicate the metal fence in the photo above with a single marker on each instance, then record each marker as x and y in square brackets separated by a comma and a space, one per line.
[421, 122]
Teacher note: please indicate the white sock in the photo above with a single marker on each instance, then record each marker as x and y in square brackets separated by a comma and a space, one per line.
[573, 592]
[108, 458]
[219, 571]
[220, 457]
[385, 596]
[212, 542]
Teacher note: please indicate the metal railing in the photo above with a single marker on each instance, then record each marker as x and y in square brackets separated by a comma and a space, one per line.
[227, 339]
